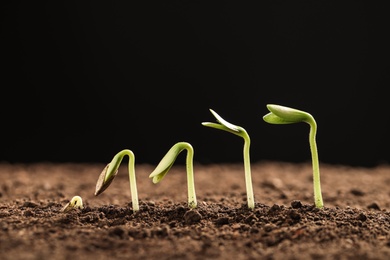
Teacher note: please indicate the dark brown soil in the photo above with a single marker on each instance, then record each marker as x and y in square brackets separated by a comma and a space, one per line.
[354, 224]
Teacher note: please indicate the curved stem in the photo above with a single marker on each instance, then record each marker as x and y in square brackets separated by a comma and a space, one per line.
[237, 130]
[315, 162]
[132, 179]
[192, 203]
[133, 182]
[166, 163]
[248, 175]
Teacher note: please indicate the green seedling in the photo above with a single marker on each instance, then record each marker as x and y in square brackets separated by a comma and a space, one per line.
[286, 115]
[166, 163]
[75, 203]
[111, 170]
[237, 130]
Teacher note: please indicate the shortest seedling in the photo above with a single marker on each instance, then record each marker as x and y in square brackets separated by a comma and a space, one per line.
[166, 163]
[75, 203]
[111, 170]
[286, 115]
[237, 130]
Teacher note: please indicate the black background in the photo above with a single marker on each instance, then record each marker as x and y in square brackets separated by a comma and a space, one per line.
[83, 80]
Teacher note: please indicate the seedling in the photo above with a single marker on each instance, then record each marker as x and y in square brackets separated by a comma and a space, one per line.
[166, 163]
[111, 170]
[237, 130]
[75, 203]
[286, 115]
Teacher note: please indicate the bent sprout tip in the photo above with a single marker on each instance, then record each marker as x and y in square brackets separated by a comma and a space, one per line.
[237, 130]
[286, 115]
[75, 203]
[111, 170]
[166, 163]
[105, 178]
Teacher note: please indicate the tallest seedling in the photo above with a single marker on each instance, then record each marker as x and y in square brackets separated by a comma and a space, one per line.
[286, 115]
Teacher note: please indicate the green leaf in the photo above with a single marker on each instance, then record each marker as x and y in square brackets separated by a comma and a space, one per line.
[166, 163]
[224, 122]
[285, 115]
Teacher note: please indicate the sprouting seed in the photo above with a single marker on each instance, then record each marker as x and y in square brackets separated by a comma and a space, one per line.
[166, 163]
[111, 170]
[237, 130]
[75, 203]
[286, 115]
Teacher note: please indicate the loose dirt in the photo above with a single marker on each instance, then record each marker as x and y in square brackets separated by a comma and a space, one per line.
[354, 224]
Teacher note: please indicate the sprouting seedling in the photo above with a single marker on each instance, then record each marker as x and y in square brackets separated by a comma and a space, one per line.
[286, 115]
[237, 130]
[75, 203]
[111, 170]
[166, 163]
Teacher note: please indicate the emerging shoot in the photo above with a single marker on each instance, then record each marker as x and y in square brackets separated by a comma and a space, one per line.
[111, 170]
[75, 203]
[166, 163]
[285, 115]
[237, 130]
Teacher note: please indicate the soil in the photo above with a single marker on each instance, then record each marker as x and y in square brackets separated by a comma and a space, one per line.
[354, 224]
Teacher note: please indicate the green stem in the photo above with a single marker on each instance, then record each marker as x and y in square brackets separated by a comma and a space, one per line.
[192, 202]
[248, 175]
[315, 162]
[237, 130]
[132, 179]
[166, 163]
